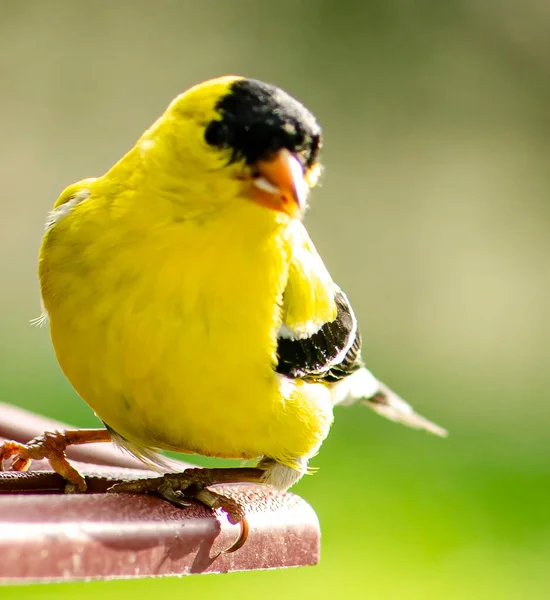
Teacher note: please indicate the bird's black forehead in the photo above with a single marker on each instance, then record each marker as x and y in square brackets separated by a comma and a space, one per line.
[251, 101]
[258, 119]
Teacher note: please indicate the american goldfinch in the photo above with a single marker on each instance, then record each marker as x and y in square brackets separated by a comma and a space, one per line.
[188, 305]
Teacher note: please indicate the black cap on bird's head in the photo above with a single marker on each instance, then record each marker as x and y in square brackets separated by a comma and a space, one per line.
[258, 119]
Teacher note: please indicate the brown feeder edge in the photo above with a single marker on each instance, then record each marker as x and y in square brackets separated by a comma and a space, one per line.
[46, 535]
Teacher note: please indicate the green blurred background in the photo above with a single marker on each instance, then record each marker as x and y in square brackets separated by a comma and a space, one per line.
[433, 216]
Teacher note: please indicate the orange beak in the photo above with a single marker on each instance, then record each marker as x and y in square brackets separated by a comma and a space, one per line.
[280, 184]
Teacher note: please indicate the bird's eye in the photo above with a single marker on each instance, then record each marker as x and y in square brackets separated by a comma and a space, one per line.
[314, 149]
[217, 134]
[299, 139]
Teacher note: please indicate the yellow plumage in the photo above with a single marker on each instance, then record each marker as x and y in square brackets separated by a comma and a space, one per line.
[173, 282]
[165, 293]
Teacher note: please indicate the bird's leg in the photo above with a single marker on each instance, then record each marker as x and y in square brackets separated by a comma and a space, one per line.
[175, 487]
[51, 445]
[194, 483]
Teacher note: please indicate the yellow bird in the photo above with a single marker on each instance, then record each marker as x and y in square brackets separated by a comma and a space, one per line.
[187, 304]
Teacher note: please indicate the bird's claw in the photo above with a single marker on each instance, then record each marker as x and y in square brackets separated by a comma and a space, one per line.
[176, 488]
[51, 445]
[174, 496]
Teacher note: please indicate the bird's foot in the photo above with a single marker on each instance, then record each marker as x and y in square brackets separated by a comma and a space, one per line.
[51, 445]
[194, 483]
[178, 488]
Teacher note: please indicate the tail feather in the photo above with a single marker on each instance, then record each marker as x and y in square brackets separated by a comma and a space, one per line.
[363, 387]
[390, 405]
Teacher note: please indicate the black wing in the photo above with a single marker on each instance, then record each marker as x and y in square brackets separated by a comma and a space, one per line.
[328, 355]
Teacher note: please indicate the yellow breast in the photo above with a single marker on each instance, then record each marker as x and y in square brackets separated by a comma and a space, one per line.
[167, 329]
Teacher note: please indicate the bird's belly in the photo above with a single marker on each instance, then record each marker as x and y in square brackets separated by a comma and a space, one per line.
[191, 396]
[188, 367]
